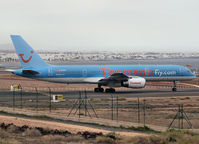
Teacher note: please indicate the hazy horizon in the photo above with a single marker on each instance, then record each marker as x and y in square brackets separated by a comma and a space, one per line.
[10, 47]
[105, 25]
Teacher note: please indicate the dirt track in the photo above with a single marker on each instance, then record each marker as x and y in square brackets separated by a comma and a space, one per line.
[61, 126]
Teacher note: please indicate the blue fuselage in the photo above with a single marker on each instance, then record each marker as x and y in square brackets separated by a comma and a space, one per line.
[81, 72]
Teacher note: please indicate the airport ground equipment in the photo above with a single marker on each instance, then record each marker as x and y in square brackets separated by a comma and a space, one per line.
[57, 98]
[15, 87]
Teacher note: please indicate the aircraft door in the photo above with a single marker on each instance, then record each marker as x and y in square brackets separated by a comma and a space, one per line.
[181, 72]
[84, 73]
[50, 72]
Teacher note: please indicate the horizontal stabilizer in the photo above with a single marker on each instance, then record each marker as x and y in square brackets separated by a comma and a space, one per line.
[9, 70]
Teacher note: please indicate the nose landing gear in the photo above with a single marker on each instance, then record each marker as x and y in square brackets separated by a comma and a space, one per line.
[174, 86]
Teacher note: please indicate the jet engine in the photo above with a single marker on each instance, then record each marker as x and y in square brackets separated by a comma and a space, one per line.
[135, 82]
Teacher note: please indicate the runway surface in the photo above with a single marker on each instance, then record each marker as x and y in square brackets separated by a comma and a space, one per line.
[142, 93]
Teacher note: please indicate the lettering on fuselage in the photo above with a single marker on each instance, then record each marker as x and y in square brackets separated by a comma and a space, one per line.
[164, 73]
[129, 72]
[60, 72]
[143, 73]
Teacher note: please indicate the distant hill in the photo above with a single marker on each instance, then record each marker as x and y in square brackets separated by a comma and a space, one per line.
[6, 47]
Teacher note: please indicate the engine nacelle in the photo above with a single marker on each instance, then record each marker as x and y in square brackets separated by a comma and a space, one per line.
[135, 82]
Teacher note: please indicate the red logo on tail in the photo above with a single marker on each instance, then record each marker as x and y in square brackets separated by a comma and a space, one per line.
[25, 61]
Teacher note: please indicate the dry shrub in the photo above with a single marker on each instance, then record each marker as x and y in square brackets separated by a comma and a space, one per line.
[57, 139]
[76, 138]
[3, 141]
[175, 136]
[12, 129]
[104, 140]
[141, 140]
[127, 140]
[144, 140]
[32, 132]
[156, 140]
[4, 134]
[185, 98]
[54, 139]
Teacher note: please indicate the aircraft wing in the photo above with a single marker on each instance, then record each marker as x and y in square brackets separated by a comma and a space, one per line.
[116, 77]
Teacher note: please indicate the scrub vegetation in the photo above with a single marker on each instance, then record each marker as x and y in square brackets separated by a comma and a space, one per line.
[13, 134]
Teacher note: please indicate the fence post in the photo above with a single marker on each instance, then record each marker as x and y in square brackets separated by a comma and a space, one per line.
[50, 98]
[117, 108]
[36, 98]
[182, 116]
[138, 109]
[112, 107]
[21, 95]
[79, 106]
[144, 108]
[13, 99]
[179, 109]
[85, 103]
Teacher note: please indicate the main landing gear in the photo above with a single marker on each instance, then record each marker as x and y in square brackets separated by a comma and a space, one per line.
[174, 86]
[108, 90]
[99, 89]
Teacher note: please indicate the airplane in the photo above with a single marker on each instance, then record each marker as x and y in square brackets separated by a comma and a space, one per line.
[111, 76]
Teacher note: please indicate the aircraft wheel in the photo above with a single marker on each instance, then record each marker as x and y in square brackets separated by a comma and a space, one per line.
[101, 90]
[96, 90]
[174, 89]
[107, 90]
[110, 90]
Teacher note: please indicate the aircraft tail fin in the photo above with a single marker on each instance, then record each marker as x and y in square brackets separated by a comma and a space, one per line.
[27, 56]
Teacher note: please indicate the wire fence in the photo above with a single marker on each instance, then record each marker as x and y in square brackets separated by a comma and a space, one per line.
[146, 111]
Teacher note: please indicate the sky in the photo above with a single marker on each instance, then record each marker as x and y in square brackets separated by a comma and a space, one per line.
[103, 25]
